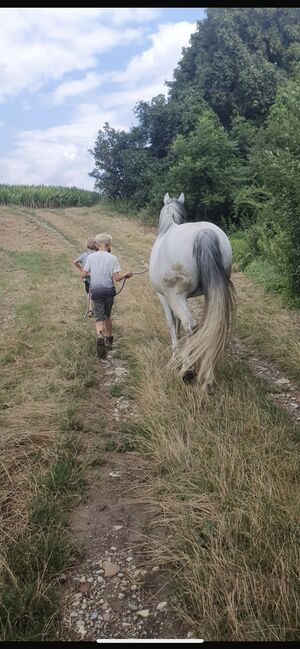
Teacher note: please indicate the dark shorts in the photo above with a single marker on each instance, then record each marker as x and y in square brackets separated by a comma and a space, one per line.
[102, 308]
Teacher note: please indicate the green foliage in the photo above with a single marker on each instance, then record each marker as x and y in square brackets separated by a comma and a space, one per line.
[238, 57]
[275, 161]
[227, 135]
[204, 167]
[50, 197]
[251, 254]
[248, 203]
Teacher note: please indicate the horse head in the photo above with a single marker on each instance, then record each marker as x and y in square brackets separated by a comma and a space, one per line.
[171, 212]
[168, 199]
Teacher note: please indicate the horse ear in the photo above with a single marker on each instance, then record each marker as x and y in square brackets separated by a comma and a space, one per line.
[166, 198]
[181, 198]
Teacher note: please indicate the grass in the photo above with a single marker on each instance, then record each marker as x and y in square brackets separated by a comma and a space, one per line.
[225, 474]
[264, 318]
[116, 390]
[269, 328]
[225, 471]
[265, 274]
[47, 369]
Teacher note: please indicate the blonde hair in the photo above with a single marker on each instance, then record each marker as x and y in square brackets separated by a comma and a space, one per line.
[103, 238]
[91, 244]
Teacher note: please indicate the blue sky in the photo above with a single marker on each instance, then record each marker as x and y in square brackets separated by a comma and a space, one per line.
[66, 71]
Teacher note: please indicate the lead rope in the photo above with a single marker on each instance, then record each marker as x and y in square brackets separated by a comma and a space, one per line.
[138, 272]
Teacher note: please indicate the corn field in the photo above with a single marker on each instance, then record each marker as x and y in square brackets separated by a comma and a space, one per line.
[49, 197]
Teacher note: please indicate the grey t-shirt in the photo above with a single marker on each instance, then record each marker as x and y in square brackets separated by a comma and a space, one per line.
[83, 257]
[101, 265]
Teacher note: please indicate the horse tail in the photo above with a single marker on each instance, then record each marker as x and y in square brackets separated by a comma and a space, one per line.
[207, 343]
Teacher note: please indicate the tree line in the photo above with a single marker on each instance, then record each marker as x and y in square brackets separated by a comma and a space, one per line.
[227, 134]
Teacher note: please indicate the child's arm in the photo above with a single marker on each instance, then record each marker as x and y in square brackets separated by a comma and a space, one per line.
[78, 265]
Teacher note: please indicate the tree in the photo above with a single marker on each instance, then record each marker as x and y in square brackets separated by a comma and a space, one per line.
[204, 165]
[238, 57]
[275, 165]
[109, 167]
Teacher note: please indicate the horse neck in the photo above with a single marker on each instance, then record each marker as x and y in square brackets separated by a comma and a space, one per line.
[164, 225]
[168, 216]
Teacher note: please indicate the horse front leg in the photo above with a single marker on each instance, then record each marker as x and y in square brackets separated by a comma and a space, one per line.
[178, 304]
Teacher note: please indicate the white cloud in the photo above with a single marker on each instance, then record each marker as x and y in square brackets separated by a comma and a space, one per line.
[128, 98]
[77, 87]
[158, 61]
[40, 45]
[58, 155]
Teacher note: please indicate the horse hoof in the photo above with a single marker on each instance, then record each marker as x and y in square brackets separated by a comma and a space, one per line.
[189, 376]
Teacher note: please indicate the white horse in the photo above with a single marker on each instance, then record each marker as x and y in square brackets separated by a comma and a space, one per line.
[190, 259]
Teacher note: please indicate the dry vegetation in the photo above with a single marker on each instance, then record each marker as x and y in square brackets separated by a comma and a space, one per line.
[225, 472]
[272, 329]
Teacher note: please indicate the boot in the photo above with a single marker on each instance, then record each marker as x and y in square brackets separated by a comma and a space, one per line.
[108, 341]
[101, 348]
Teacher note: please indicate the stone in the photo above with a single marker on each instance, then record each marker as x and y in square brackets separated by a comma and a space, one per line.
[161, 605]
[144, 613]
[110, 569]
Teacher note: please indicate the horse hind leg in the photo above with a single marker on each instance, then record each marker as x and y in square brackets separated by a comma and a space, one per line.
[208, 382]
[171, 321]
[184, 316]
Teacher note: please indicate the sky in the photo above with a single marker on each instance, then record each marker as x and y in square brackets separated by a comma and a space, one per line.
[64, 72]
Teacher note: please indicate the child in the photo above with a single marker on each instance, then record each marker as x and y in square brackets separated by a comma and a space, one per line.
[103, 269]
[79, 263]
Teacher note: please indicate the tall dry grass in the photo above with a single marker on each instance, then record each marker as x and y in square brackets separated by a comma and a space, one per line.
[269, 328]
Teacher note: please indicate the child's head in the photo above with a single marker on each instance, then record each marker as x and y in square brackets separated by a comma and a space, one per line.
[91, 244]
[103, 241]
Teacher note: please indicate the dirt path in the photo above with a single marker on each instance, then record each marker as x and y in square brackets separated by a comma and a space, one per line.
[117, 591]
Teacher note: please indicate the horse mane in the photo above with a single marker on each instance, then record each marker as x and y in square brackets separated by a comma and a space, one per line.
[172, 212]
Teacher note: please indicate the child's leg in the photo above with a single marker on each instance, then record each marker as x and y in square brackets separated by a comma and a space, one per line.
[89, 306]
